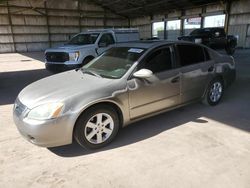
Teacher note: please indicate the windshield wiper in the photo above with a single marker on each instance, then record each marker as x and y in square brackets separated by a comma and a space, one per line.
[91, 72]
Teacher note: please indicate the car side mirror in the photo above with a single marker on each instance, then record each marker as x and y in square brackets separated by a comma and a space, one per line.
[143, 73]
[103, 45]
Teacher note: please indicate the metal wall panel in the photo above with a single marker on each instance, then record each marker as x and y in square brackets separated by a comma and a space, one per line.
[50, 23]
[240, 32]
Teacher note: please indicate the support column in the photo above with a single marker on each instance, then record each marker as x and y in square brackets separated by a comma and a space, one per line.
[105, 19]
[203, 11]
[165, 27]
[182, 23]
[151, 28]
[80, 15]
[47, 22]
[11, 26]
[129, 22]
[228, 10]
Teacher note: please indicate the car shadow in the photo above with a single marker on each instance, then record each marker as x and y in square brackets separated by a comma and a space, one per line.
[138, 131]
[39, 55]
[236, 96]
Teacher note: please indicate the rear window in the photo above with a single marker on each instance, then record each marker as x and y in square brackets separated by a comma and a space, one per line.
[190, 54]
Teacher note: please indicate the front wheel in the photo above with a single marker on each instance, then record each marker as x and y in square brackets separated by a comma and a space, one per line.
[96, 127]
[87, 60]
[214, 92]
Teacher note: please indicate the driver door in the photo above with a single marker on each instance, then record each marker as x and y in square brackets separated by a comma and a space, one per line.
[105, 43]
[161, 90]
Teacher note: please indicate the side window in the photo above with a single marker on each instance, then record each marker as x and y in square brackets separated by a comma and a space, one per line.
[107, 39]
[159, 61]
[190, 54]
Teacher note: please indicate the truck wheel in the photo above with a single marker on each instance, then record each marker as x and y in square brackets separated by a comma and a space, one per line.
[214, 92]
[96, 127]
[230, 49]
[87, 60]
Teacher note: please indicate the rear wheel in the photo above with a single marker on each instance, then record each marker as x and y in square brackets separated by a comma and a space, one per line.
[96, 127]
[214, 92]
[230, 49]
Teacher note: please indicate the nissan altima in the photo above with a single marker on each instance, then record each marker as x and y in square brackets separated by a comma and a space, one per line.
[127, 83]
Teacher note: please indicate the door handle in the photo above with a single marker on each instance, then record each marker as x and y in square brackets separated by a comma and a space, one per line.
[210, 69]
[175, 80]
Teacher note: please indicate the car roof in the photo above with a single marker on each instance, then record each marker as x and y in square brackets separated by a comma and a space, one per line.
[151, 43]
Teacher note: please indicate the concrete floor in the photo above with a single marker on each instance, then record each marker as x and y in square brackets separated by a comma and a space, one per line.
[195, 146]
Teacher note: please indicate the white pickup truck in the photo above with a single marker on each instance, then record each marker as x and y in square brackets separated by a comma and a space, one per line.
[85, 46]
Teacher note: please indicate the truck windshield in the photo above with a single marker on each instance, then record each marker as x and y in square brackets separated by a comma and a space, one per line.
[200, 32]
[115, 62]
[83, 39]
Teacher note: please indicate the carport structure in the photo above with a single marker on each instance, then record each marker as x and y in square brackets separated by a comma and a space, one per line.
[194, 146]
[33, 25]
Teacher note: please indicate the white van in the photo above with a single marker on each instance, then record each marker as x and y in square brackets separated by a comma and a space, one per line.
[85, 46]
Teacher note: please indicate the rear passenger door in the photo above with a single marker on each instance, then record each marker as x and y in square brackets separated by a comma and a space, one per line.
[193, 75]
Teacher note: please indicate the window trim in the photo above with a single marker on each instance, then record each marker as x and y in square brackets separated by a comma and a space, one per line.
[173, 63]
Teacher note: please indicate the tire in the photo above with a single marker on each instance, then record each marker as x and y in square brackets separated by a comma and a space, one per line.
[90, 130]
[230, 49]
[214, 93]
[87, 60]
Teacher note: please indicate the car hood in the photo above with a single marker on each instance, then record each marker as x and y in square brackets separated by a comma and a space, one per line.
[60, 87]
[68, 47]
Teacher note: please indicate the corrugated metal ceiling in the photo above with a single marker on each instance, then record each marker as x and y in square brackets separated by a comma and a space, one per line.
[135, 8]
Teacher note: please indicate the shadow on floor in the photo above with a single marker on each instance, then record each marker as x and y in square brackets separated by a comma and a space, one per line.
[11, 83]
[34, 55]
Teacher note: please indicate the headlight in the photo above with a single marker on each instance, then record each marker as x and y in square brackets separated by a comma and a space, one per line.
[46, 111]
[74, 56]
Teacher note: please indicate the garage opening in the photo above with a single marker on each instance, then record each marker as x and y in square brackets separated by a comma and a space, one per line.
[190, 24]
[215, 21]
[173, 29]
[158, 30]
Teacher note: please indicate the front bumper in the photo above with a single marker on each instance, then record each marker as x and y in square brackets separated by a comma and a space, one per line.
[61, 67]
[47, 133]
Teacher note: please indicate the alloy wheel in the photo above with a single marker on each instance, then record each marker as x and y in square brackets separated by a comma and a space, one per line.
[99, 128]
[215, 92]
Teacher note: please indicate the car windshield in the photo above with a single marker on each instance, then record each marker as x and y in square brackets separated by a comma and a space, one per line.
[83, 39]
[115, 62]
[200, 32]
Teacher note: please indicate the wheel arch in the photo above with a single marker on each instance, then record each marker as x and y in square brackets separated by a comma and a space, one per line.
[87, 57]
[108, 103]
[216, 76]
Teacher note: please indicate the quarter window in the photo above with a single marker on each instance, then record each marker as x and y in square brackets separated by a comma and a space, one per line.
[159, 61]
[190, 54]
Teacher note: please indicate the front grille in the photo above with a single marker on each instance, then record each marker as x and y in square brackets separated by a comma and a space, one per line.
[57, 56]
[19, 107]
